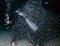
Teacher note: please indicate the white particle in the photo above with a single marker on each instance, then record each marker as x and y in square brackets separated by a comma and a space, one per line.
[46, 2]
[8, 22]
[13, 44]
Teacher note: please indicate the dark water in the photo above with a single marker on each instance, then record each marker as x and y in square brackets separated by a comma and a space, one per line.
[46, 20]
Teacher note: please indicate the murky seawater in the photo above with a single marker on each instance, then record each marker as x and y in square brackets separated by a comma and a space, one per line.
[38, 27]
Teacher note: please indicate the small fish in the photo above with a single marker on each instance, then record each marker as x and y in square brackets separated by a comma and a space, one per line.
[29, 22]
